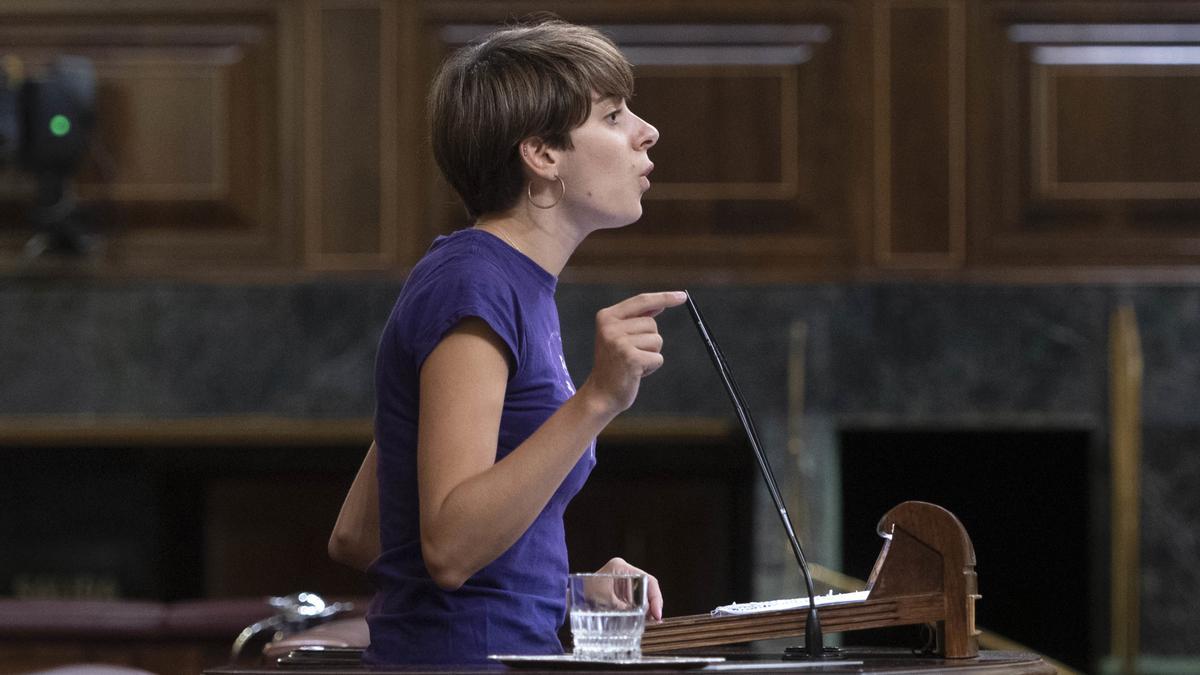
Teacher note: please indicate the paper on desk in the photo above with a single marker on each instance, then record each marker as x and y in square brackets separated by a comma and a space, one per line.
[738, 609]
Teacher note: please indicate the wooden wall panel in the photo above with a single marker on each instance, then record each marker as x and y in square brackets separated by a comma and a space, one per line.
[350, 115]
[186, 164]
[754, 172]
[920, 215]
[1087, 148]
[265, 535]
[1083, 145]
[801, 141]
[699, 158]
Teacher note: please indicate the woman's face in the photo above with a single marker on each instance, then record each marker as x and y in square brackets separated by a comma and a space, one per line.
[608, 170]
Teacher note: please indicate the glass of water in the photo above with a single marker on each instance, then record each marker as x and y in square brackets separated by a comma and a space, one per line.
[608, 614]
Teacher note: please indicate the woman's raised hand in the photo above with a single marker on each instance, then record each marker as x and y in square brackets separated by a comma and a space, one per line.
[628, 348]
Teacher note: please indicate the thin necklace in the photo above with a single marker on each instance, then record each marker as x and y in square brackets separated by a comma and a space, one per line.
[510, 242]
[497, 232]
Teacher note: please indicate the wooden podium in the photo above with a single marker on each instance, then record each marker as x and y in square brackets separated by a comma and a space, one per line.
[924, 574]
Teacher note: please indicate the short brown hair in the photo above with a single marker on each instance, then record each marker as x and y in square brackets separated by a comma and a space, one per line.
[531, 79]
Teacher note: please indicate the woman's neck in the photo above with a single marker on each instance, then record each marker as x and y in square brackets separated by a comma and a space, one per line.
[542, 238]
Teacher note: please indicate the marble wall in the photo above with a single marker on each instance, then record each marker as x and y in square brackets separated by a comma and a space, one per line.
[884, 356]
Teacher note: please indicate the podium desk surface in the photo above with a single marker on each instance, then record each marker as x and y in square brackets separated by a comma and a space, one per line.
[852, 660]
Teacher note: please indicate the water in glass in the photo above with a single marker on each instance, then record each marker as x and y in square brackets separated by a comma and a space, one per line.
[608, 635]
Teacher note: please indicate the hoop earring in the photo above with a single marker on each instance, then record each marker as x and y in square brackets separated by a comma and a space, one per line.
[561, 193]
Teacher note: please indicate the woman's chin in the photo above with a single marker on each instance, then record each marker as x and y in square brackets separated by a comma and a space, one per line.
[624, 222]
[629, 218]
[611, 220]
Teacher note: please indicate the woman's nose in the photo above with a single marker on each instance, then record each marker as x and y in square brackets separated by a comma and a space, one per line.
[649, 135]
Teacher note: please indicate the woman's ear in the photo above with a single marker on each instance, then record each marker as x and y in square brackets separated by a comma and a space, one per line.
[539, 158]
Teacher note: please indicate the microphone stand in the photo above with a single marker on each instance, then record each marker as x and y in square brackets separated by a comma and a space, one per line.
[814, 641]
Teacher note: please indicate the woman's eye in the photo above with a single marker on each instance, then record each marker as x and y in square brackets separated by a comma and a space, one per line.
[612, 116]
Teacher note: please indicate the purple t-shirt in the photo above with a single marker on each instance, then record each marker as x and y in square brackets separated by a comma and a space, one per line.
[516, 603]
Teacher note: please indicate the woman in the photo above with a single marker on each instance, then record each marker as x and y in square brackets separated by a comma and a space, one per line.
[481, 437]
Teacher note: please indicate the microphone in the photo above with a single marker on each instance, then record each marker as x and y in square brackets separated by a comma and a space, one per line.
[814, 641]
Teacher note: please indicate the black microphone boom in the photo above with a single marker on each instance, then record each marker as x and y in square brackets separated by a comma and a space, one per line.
[814, 641]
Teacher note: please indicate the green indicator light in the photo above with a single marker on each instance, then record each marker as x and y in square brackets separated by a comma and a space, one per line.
[60, 125]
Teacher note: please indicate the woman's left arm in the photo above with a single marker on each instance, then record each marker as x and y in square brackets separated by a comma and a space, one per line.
[355, 537]
[653, 592]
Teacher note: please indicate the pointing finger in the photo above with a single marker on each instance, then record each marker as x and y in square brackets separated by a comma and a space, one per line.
[648, 304]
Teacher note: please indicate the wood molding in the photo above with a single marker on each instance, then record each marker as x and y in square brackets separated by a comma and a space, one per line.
[264, 430]
[228, 430]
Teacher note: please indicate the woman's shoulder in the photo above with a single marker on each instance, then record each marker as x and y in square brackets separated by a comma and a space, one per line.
[459, 276]
[464, 257]
[460, 272]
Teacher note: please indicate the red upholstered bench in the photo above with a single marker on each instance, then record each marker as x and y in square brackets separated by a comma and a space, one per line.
[158, 637]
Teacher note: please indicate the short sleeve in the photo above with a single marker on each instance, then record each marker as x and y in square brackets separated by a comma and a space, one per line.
[458, 292]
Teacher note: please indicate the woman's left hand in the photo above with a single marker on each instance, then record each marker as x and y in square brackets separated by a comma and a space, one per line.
[653, 592]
